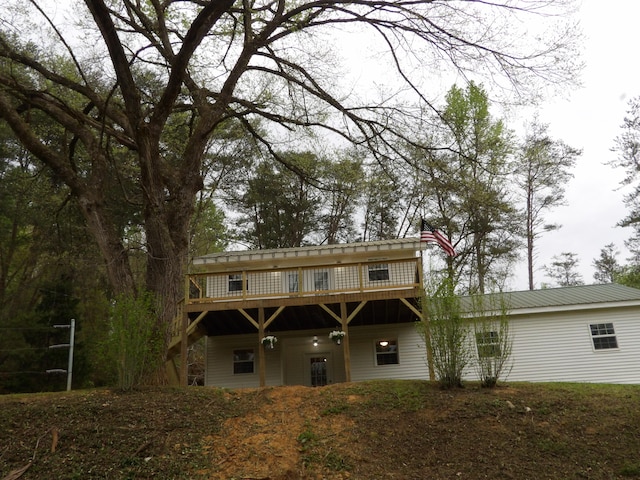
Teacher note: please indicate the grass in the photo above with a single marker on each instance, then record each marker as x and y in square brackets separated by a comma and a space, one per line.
[367, 430]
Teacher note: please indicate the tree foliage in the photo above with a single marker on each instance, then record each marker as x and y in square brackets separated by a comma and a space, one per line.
[134, 92]
[493, 341]
[466, 191]
[607, 267]
[543, 168]
[446, 331]
[563, 270]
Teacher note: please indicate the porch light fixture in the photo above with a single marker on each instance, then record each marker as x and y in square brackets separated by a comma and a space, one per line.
[315, 340]
[383, 343]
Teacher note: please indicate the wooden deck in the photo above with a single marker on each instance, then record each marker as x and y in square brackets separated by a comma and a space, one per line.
[221, 299]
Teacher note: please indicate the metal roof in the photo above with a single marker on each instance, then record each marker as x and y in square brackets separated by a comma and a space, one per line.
[312, 251]
[566, 297]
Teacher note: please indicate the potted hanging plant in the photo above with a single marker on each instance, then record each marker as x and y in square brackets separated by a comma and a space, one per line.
[337, 336]
[269, 341]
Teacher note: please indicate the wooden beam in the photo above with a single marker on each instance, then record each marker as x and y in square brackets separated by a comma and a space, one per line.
[184, 351]
[345, 343]
[356, 310]
[331, 312]
[274, 315]
[412, 307]
[193, 325]
[217, 305]
[249, 317]
[172, 372]
[190, 331]
[338, 318]
[261, 358]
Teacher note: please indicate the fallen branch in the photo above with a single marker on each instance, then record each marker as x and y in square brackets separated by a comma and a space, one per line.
[18, 472]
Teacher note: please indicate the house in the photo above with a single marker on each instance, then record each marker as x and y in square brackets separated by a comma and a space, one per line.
[371, 292]
[586, 333]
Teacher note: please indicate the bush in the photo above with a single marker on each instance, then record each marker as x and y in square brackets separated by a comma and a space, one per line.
[133, 346]
[493, 341]
[447, 333]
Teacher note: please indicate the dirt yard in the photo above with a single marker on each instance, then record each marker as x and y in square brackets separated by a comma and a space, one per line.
[371, 430]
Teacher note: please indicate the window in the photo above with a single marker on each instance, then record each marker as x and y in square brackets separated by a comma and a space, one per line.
[386, 352]
[235, 283]
[293, 282]
[243, 361]
[321, 280]
[488, 344]
[378, 272]
[603, 336]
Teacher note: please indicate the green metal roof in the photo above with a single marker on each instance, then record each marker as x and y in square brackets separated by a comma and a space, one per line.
[581, 295]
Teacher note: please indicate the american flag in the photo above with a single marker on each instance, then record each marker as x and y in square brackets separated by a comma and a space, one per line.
[430, 234]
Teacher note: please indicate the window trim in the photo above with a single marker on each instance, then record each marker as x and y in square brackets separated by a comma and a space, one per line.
[236, 280]
[376, 353]
[325, 276]
[378, 269]
[493, 345]
[605, 335]
[295, 278]
[234, 362]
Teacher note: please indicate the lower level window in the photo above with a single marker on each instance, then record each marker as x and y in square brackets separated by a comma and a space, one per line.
[488, 344]
[243, 361]
[386, 352]
[603, 336]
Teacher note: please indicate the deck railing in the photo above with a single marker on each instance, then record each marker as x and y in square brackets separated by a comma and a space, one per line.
[302, 281]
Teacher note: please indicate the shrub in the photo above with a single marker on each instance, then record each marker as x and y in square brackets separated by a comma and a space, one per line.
[446, 332]
[492, 338]
[133, 346]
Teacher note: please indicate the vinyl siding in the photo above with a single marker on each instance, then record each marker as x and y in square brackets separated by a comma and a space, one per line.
[412, 353]
[547, 347]
[287, 363]
[559, 347]
[219, 363]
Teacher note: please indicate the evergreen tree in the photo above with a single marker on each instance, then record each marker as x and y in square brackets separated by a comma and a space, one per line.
[563, 270]
[542, 171]
[607, 267]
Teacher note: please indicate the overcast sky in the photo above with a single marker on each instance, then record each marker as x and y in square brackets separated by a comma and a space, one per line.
[590, 119]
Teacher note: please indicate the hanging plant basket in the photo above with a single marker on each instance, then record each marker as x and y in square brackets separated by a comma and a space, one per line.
[269, 341]
[337, 336]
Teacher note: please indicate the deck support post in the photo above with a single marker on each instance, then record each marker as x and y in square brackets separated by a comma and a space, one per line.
[184, 351]
[344, 321]
[261, 359]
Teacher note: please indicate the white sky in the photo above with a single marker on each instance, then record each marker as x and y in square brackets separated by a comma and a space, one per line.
[590, 119]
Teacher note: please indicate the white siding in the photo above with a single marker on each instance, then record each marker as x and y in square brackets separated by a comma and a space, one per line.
[287, 363]
[550, 347]
[412, 353]
[558, 347]
[219, 362]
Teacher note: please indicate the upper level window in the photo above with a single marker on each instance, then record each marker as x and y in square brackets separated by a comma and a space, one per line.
[243, 361]
[488, 344]
[387, 352]
[235, 283]
[293, 283]
[603, 336]
[379, 271]
[321, 280]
